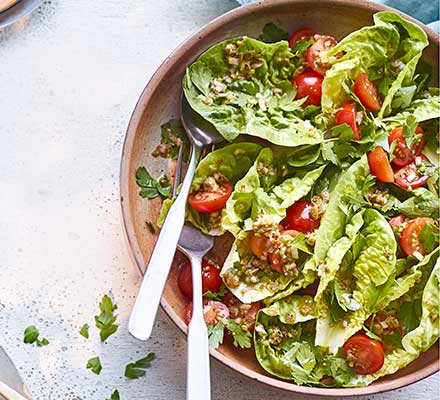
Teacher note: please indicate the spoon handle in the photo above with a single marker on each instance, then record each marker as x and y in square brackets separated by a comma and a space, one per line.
[198, 382]
[147, 302]
[9, 393]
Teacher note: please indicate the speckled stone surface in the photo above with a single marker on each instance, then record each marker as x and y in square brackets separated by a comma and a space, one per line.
[70, 75]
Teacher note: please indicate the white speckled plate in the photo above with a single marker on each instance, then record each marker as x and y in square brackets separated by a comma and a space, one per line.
[10, 375]
[16, 10]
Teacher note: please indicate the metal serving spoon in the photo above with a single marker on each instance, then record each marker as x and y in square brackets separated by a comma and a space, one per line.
[200, 134]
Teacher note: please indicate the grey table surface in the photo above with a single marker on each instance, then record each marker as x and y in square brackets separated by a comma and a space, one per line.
[70, 75]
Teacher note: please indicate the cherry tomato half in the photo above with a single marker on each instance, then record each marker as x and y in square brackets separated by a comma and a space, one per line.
[402, 154]
[299, 217]
[380, 166]
[367, 92]
[210, 202]
[346, 114]
[259, 244]
[309, 84]
[301, 34]
[213, 312]
[410, 176]
[244, 314]
[409, 239]
[363, 354]
[315, 55]
[210, 278]
[276, 262]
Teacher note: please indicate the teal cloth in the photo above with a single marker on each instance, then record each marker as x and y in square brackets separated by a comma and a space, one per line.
[426, 11]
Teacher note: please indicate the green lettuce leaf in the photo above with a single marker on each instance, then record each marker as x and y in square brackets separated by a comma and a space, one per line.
[242, 86]
[365, 48]
[412, 42]
[417, 340]
[371, 263]
[232, 161]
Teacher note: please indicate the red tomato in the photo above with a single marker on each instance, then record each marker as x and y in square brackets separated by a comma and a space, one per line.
[397, 221]
[242, 313]
[299, 218]
[363, 354]
[379, 165]
[367, 92]
[402, 154]
[301, 34]
[309, 84]
[409, 239]
[276, 262]
[410, 175]
[258, 244]
[346, 114]
[213, 312]
[210, 202]
[210, 278]
[315, 55]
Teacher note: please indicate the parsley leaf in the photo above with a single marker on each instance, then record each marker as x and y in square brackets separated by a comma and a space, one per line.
[172, 137]
[94, 364]
[216, 296]
[301, 46]
[31, 335]
[242, 338]
[150, 188]
[114, 396]
[137, 369]
[84, 331]
[272, 33]
[428, 236]
[105, 321]
[216, 334]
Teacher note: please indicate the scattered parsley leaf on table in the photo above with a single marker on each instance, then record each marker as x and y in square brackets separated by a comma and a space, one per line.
[31, 335]
[105, 321]
[150, 188]
[137, 369]
[115, 395]
[84, 331]
[94, 364]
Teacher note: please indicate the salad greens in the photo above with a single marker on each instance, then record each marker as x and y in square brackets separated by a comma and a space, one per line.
[332, 208]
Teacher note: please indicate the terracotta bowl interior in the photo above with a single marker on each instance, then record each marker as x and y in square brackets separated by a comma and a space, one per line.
[160, 101]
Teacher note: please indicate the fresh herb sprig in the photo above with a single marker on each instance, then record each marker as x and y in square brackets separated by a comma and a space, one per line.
[105, 321]
[151, 188]
[137, 369]
[94, 364]
[31, 335]
[242, 338]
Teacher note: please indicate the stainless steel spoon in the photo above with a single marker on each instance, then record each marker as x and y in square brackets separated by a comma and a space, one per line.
[200, 134]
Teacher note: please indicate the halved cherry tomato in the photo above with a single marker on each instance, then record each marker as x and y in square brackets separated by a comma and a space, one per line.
[363, 354]
[276, 262]
[244, 314]
[402, 154]
[410, 176]
[210, 202]
[259, 244]
[213, 312]
[315, 55]
[409, 239]
[309, 84]
[379, 165]
[299, 217]
[210, 278]
[397, 221]
[346, 114]
[367, 92]
[301, 34]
